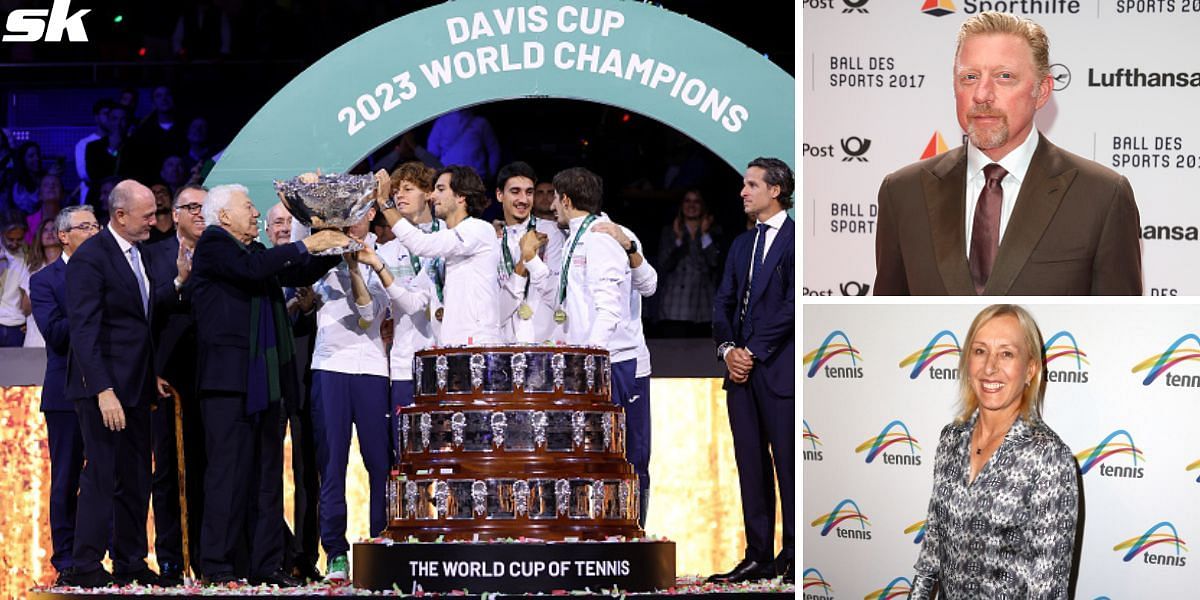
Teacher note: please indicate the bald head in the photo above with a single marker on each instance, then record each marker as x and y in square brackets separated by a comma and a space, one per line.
[132, 206]
[279, 225]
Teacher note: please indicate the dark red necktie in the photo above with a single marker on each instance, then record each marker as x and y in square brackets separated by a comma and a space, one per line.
[985, 232]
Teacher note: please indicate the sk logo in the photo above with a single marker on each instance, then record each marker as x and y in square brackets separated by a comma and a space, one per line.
[860, 147]
[855, 6]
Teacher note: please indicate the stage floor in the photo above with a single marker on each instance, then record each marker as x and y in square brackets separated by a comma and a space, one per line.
[686, 587]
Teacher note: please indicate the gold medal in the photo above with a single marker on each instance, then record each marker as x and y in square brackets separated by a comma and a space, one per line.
[439, 314]
[560, 316]
[525, 311]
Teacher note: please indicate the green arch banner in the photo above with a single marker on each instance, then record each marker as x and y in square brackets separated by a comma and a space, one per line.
[628, 54]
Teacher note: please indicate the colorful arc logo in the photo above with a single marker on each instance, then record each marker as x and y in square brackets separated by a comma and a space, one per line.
[816, 582]
[938, 8]
[829, 349]
[886, 438]
[1062, 350]
[1195, 467]
[1161, 363]
[846, 510]
[1137, 545]
[810, 437]
[899, 587]
[932, 351]
[1109, 447]
[919, 528]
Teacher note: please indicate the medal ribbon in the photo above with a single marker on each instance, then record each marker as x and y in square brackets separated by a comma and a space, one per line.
[562, 281]
[509, 266]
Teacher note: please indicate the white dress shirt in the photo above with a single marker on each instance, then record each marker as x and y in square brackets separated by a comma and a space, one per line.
[140, 266]
[471, 291]
[413, 298]
[773, 225]
[597, 297]
[13, 270]
[1015, 162]
[540, 326]
[348, 339]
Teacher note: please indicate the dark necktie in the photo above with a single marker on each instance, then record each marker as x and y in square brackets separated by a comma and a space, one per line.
[760, 245]
[985, 232]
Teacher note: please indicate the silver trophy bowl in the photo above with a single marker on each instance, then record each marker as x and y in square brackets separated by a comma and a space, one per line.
[333, 201]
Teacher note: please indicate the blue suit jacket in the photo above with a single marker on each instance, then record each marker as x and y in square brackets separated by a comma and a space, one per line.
[174, 328]
[111, 345]
[48, 293]
[769, 333]
[227, 276]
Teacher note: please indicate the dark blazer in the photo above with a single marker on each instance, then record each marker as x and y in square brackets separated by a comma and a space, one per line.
[1073, 231]
[769, 333]
[111, 345]
[227, 275]
[48, 293]
[174, 328]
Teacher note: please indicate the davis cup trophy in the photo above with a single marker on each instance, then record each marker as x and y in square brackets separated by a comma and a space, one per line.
[329, 201]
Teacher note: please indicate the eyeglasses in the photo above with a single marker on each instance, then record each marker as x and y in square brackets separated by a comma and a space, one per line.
[193, 208]
[85, 227]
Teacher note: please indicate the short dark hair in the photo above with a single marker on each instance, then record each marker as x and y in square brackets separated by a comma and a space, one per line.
[183, 188]
[515, 169]
[102, 105]
[583, 187]
[777, 173]
[465, 182]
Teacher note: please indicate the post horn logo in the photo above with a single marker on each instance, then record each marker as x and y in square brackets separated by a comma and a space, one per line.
[855, 148]
[855, 288]
[936, 146]
[855, 6]
[938, 8]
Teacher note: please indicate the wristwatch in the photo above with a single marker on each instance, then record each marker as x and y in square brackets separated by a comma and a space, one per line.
[722, 349]
[632, 249]
[390, 204]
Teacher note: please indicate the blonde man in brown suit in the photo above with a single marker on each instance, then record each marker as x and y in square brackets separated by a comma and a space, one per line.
[1009, 212]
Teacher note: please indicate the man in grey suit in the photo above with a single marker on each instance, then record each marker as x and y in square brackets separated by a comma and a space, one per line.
[1009, 212]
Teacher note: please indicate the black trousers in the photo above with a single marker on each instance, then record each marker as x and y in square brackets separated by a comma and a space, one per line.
[243, 486]
[764, 446]
[114, 489]
[304, 541]
[66, 462]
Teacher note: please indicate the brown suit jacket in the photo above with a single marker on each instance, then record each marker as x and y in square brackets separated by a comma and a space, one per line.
[1073, 231]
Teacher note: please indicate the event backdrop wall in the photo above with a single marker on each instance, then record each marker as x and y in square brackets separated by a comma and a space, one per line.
[878, 95]
[880, 383]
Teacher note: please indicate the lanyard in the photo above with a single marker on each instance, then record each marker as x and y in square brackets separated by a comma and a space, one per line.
[562, 282]
[415, 260]
[509, 265]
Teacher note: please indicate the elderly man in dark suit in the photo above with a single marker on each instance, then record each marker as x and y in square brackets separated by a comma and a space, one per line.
[754, 325]
[245, 367]
[48, 292]
[110, 294]
[1009, 213]
[175, 360]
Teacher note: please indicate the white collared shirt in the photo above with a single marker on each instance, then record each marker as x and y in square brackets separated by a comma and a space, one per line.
[598, 293]
[413, 300]
[540, 326]
[140, 267]
[773, 225]
[1015, 162]
[14, 272]
[348, 339]
[471, 292]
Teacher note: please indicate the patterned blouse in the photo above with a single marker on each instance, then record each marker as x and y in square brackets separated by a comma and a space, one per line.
[1011, 533]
